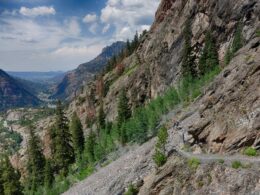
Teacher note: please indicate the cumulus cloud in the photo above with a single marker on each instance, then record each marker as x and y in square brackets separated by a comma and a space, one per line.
[106, 28]
[90, 18]
[78, 51]
[37, 11]
[93, 28]
[128, 16]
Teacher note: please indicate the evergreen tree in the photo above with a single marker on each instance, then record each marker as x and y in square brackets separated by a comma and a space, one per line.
[123, 134]
[101, 117]
[1, 180]
[209, 57]
[77, 135]
[64, 153]
[48, 174]
[90, 147]
[10, 179]
[228, 56]
[238, 39]
[135, 42]
[188, 64]
[35, 166]
[124, 112]
[236, 44]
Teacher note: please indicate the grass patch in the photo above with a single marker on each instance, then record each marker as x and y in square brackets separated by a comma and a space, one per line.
[236, 164]
[131, 190]
[130, 70]
[249, 151]
[194, 163]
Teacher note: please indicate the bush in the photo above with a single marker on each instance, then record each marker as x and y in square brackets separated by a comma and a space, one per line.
[131, 190]
[159, 158]
[258, 32]
[236, 164]
[221, 161]
[249, 151]
[193, 163]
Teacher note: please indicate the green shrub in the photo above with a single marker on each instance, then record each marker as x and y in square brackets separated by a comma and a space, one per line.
[221, 161]
[131, 190]
[258, 32]
[193, 163]
[249, 151]
[236, 164]
[159, 158]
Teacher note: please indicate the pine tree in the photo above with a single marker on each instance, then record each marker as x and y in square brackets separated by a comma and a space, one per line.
[188, 64]
[209, 57]
[228, 56]
[123, 135]
[124, 112]
[77, 135]
[36, 161]
[238, 39]
[101, 117]
[1, 180]
[48, 174]
[89, 148]
[10, 179]
[64, 153]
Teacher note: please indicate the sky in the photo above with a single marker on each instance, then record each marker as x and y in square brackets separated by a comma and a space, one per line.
[52, 35]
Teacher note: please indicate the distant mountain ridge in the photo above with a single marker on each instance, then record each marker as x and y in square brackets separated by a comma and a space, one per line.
[74, 79]
[36, 76]
[13, 94]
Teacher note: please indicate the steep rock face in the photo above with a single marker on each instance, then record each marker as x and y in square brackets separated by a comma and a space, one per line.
[85, 72]
[176, 177]
[156, 64]
[226, 117]
[14, 95]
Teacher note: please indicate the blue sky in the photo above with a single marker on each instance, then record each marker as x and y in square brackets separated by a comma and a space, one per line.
[49, 35]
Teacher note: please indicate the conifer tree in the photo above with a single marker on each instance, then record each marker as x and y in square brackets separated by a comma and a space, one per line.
[10, 178]
[64, 153]
[101, 117]
[238, 39]
[188, 64]
[48, 174]
[90, 147]
[1, 180]
[124, 112]
[77, 135]
[209, 57]
[228, 56]
[36, 161]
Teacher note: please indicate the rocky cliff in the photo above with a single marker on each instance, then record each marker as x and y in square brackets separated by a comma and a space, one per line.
[12, 94]
[223, 120]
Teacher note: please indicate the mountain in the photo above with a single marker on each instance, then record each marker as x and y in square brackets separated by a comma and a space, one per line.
[12, 93]
[36, 76]
[73, 80]
[210, 128]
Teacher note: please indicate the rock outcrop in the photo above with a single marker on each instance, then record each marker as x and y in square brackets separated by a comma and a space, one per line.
[224, 119]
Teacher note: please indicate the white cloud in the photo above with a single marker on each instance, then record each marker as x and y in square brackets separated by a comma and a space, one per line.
[78, 51]
[106, 28]
[90, 18]
[128, 16]
[37, 11]
[93, 28]
[73, 27]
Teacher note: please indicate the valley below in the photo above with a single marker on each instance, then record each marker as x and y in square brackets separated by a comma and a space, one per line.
[175, 110]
